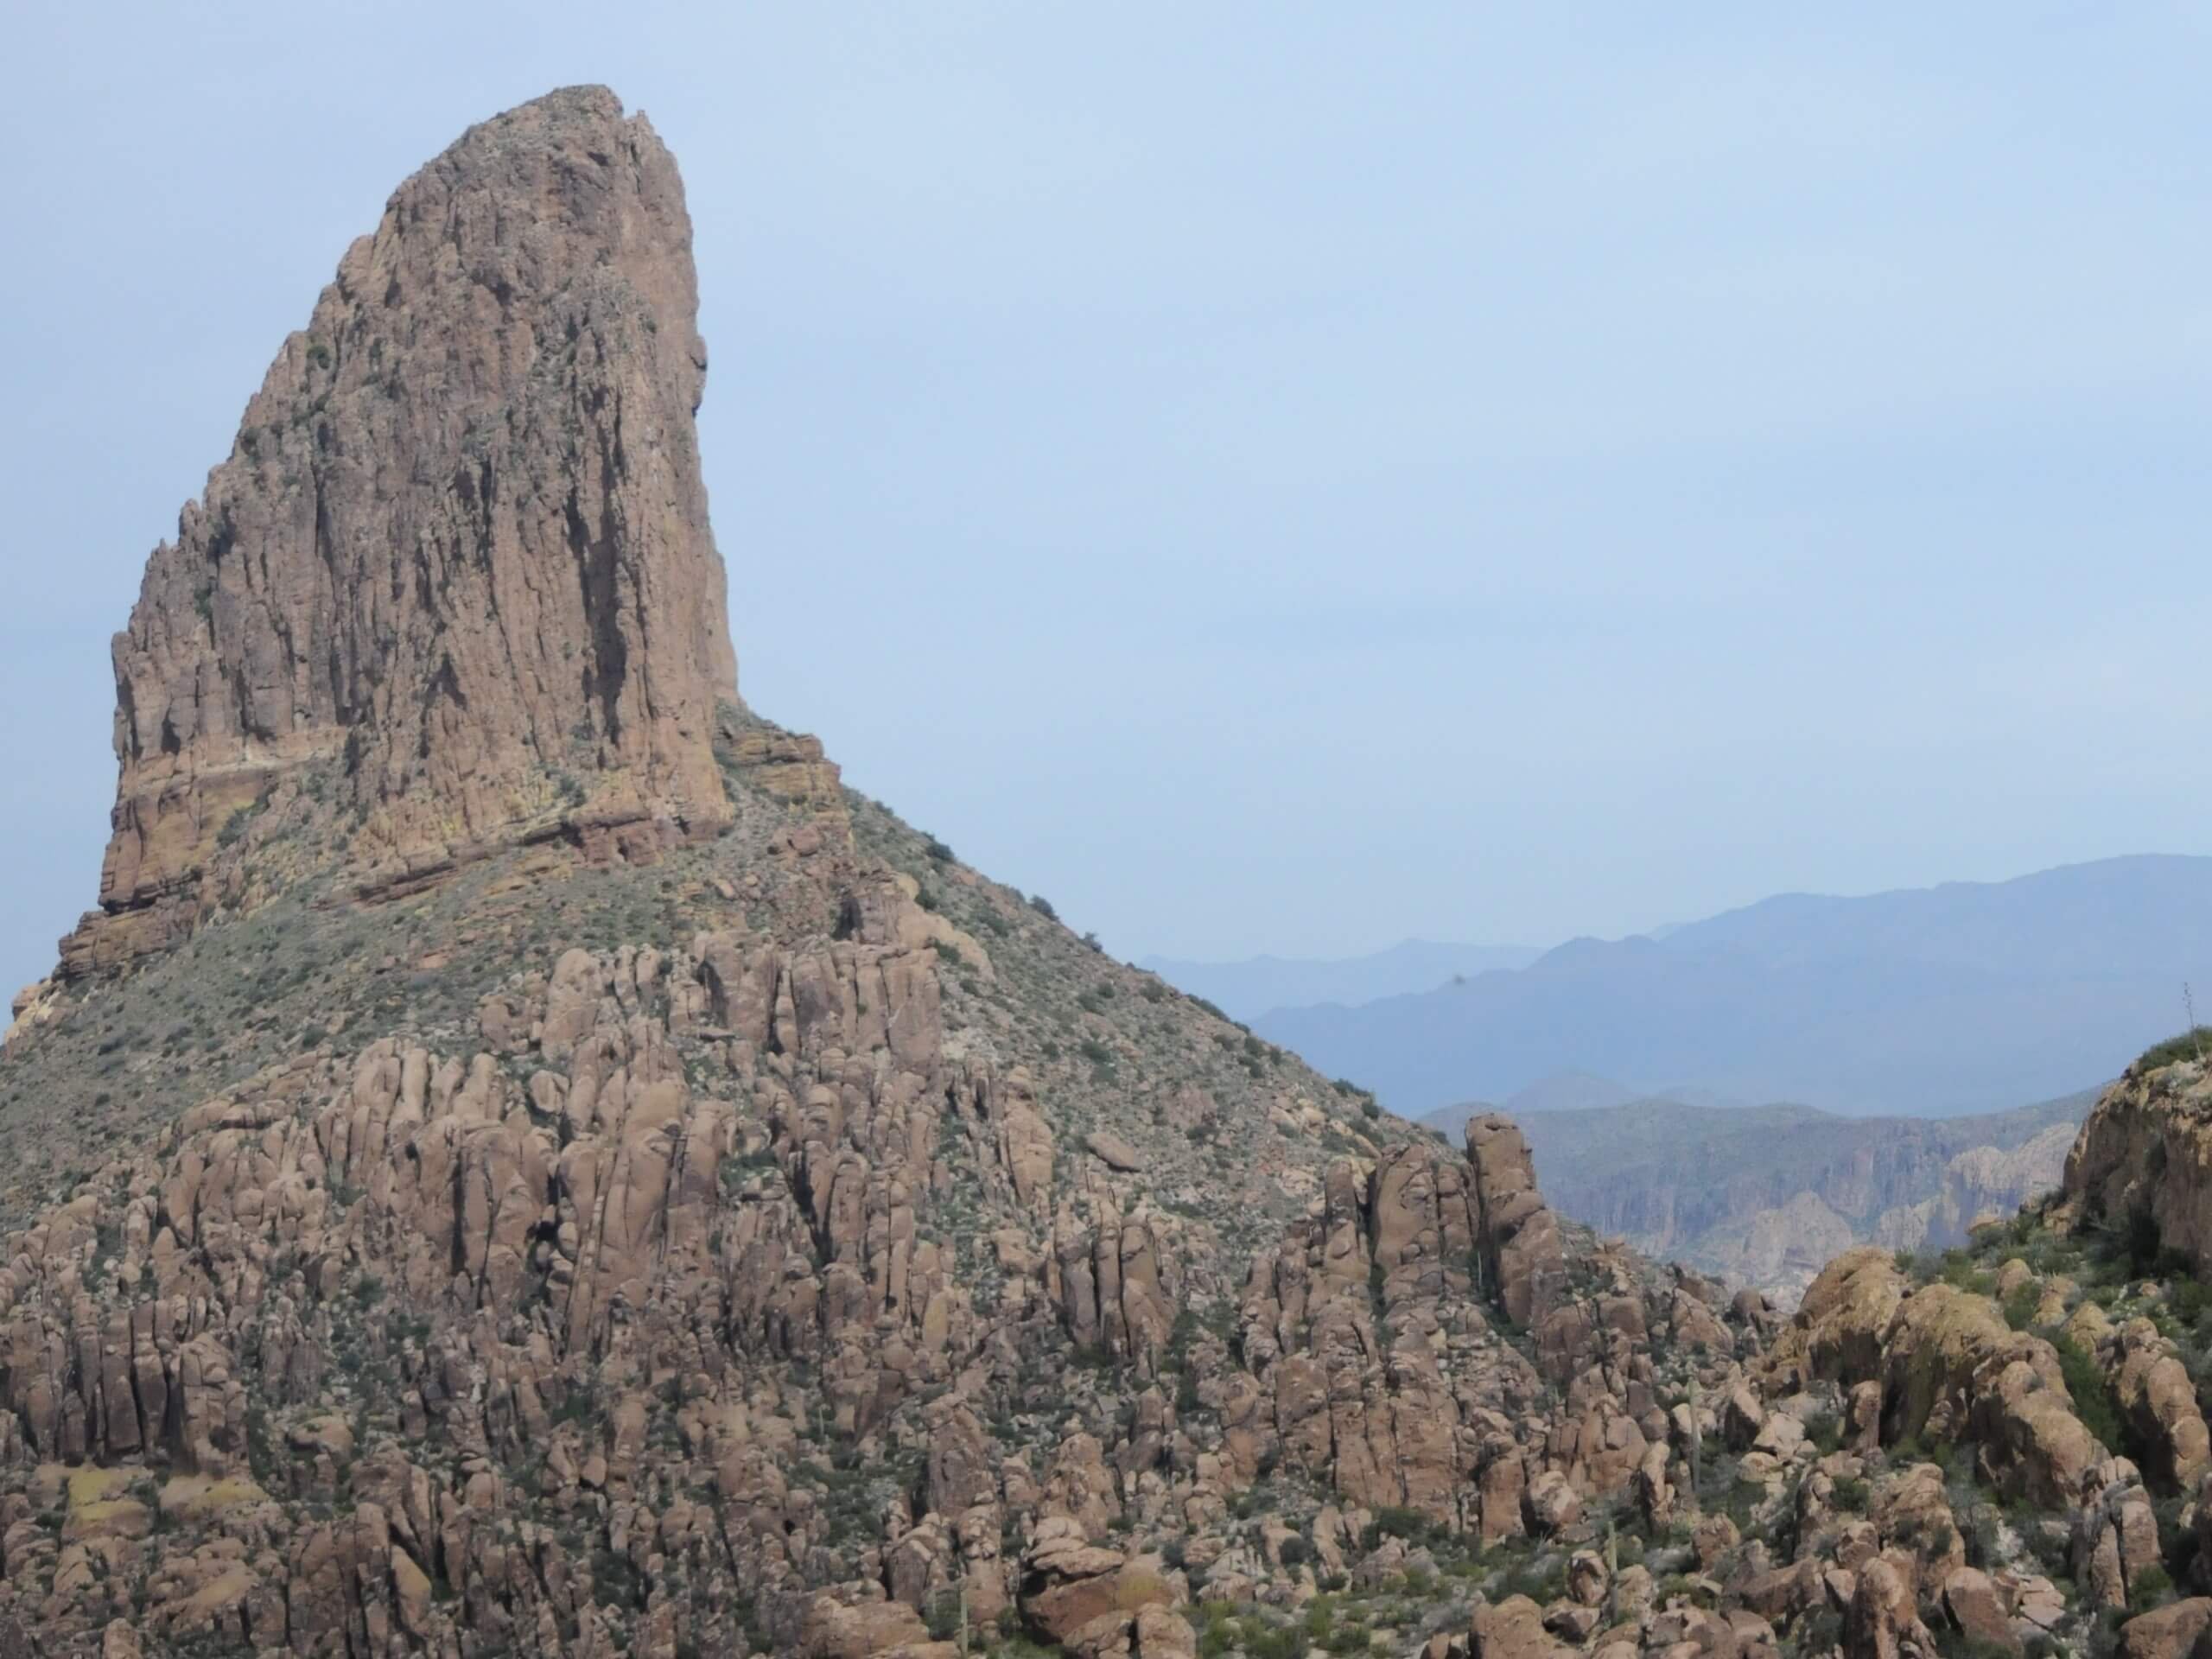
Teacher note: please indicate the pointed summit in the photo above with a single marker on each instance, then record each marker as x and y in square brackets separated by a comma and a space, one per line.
[455, 585]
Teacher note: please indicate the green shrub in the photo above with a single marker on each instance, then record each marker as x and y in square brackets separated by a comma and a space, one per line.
[943, 1615]
[1396, 1520]
[2189, 1298]
[2193, 1045]
[2151, 1588]
[1961, 1272]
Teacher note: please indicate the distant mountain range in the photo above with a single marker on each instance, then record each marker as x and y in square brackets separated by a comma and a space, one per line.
[1961, 998]
[1766, 1195]
[1259, 985]
[1583, 1093]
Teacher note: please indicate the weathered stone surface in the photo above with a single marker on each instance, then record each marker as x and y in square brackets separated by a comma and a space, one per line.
[2155, 1391]
[1881, 1621]
[456, 576]
[2169, 1632]
[1974, 1608]
[2146, 1149]
[1937, 1360]
[2115, 1533]
[1516, 1233]
[1838, 1330]
[1512, 1628]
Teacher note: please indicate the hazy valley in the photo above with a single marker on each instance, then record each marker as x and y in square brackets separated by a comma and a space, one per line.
[1768, 1196]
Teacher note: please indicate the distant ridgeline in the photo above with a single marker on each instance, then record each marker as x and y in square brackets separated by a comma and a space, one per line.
[1964, 998]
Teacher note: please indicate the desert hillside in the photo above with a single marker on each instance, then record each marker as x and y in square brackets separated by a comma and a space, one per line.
[523, 1161]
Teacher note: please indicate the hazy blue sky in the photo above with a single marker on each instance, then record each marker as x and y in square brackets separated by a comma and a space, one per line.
[1270, 477]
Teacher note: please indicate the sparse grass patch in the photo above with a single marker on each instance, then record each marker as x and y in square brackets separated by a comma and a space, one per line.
[2195, 1044]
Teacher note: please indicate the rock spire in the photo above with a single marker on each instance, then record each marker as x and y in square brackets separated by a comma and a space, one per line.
[455, 583]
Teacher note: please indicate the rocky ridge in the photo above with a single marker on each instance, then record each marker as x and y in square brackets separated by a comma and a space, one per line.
[784, 1287]
[749, 1229]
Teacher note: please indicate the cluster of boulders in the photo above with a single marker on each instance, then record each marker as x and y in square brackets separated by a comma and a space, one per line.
[622, 1323]
[573, 1308]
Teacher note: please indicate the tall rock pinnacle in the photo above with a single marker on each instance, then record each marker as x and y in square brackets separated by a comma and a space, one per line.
[455, 583]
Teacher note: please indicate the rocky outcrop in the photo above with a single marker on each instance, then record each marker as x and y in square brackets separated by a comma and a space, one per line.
[680, 1212]
[455, 585]
[2158, 1403]
[32, 1006]
[2144, 1157]
[1517, 1235]
[1942, 1362]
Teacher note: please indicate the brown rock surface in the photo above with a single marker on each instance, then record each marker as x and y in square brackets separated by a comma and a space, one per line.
[791, 1241]
[2146, 1148]
[1517, 1235]
[455, 578]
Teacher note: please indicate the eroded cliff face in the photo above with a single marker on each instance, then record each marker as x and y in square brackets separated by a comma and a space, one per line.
[1767, 1195]
[2143, 1159]
[456, 580]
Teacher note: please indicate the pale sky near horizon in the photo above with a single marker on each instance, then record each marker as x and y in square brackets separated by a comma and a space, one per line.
[1272, 478]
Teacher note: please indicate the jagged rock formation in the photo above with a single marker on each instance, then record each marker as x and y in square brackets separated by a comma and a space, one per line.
[792, 1241]
[455, 578]
[2144, 1157]
[787, 1240]
[749, 1291]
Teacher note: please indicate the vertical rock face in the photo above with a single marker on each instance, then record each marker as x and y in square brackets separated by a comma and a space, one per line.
[456, 576]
